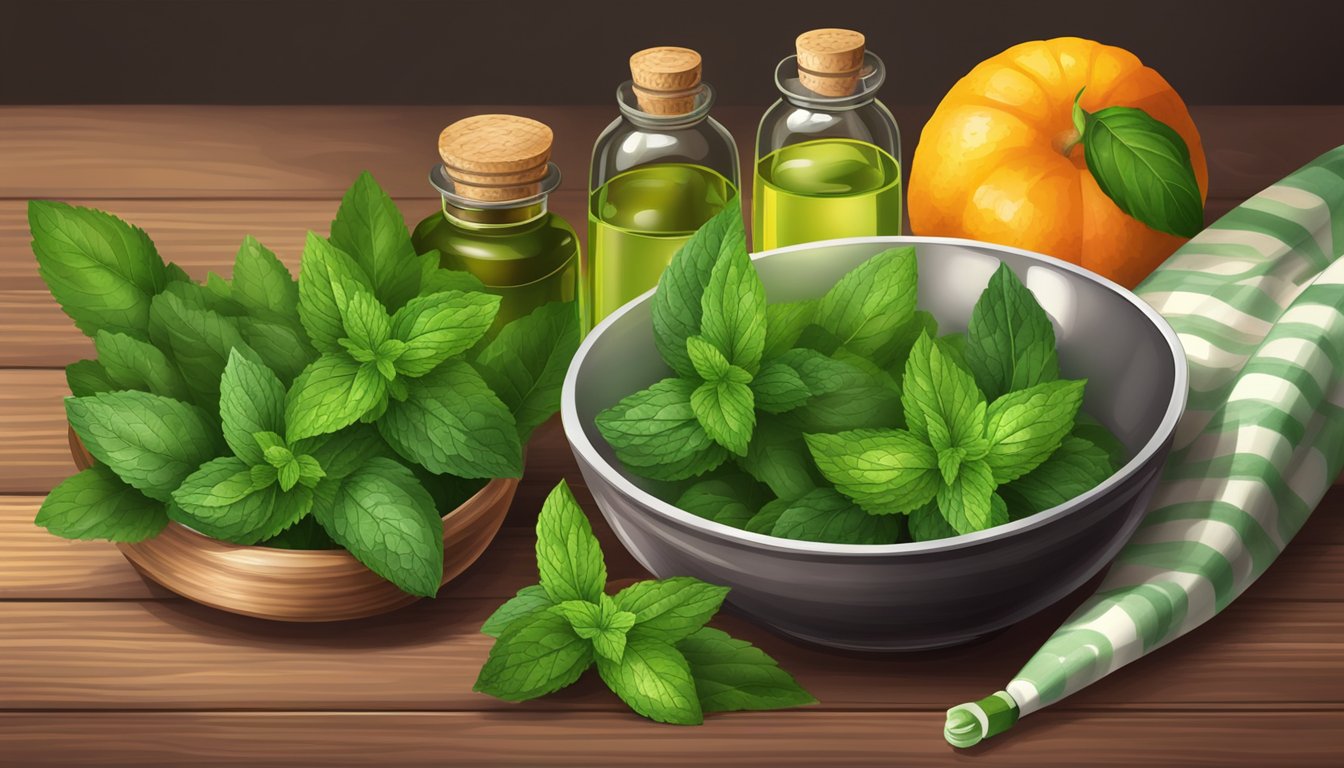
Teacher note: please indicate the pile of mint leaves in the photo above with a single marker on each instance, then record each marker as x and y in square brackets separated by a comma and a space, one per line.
[349, 408]
[848, 419]
[649, 641]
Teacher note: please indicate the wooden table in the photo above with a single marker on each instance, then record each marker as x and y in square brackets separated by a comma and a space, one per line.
[99, 667]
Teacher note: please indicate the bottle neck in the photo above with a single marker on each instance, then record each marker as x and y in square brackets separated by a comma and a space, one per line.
[494, 219]
[628, 103]
[792, 90]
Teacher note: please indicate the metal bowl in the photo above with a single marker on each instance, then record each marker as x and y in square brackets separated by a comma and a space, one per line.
[917, 595]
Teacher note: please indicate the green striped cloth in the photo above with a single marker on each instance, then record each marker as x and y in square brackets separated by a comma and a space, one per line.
[1256, 300]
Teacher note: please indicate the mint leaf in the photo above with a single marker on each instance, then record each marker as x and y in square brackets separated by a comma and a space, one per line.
[370, 228]
[1096, 433]
[525, 363]
[323, 269]
[670, 609]
[778, 388]
[342, 452]
[733, 675]
[283, 347]
[824, 515]
[1010, 342]
[88, 377]
[655, 433]
[778, 457]
[434, 279]
[710, 364]
[1025, 427]
[198, 339]
[601, 623]
[928, 524]
[885, 471]
[130, 363]
[784, 323]
[387, 520]
[332, 393]
[150, 442]
[727, 411]
[731, 498]
[764, 520]
[450, 422]
[935, 389]
[95, 504]
[653, 679]
[439, 326]
[305, 534]
[529, 602]
[262, 284]
[366, 323]
[221, 501]
[251, 399]
[676, 306]
[569, 558]
[1144, 166]
[965, 504]
[893, 353]
[870, 302]
[534, 656]
[733, 310]
[851, 393]
[1075, 468]
[101, 270]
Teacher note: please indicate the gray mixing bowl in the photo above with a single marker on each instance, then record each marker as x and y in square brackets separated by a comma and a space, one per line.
[918, 595]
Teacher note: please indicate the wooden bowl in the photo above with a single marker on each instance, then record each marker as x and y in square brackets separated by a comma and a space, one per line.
[301, 585]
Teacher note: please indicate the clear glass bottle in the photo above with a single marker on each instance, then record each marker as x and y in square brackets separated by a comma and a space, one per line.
[494, 181]
[660, 170]
[828, 152]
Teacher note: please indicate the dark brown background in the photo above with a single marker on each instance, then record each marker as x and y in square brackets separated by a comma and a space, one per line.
[574, 52]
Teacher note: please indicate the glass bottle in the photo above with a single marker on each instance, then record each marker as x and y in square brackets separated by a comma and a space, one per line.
[660, 170]
[494, 180]
[828, 152]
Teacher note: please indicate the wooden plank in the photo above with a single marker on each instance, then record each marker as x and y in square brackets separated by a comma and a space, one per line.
[766, 739]
[283, 152]
[139, 655]
[200, 235]
[203, 235]
[34, 454]
[35, 565]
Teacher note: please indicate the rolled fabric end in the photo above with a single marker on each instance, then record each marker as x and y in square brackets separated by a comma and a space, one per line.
[970, 724]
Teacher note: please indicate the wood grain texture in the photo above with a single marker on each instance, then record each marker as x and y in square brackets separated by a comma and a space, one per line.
[181, 655]
[314, 152]
[767, 740]
[35, 565]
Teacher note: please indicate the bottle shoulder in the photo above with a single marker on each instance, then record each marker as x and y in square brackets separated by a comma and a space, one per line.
[625, 145]
[785, 123]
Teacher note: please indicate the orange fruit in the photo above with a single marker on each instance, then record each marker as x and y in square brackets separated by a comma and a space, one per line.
[992, 165]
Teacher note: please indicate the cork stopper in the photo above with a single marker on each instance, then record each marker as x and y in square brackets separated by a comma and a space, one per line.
[496, 157]
[830, 61]
[666, 79]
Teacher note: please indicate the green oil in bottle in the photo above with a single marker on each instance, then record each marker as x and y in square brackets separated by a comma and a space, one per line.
[526, 256]
[638, 220]
[823, 189]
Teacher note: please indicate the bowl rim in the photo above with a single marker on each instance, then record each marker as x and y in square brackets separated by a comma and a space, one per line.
[587, 453]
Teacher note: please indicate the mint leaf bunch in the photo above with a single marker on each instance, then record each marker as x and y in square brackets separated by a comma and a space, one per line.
[345, 409]
[649, 641]
[849, 419]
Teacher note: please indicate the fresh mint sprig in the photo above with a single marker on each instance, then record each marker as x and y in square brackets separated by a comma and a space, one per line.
[649, 641]
[347, 409]
[847, 418]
